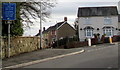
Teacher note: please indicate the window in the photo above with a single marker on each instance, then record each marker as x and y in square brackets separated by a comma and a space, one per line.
[87, 21]
[88, 32]
[107, 20]
[108, 31]
[53, 32]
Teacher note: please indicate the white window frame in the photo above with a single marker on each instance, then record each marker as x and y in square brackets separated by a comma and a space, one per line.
[87, 31]
[109, 31]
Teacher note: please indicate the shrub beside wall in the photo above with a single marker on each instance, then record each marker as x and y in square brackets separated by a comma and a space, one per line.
[106, 40]
[116, 38]
[71, 43]
[94, 41]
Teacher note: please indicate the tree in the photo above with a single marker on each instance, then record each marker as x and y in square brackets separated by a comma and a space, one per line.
[31, 10]
[25, 12]
[16, 26]
[76, 27]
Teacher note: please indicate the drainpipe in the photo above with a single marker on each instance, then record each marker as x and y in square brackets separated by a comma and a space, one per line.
[78, 29]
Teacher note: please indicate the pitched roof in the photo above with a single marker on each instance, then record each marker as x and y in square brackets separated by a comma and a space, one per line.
[53, 27]
[97, 11]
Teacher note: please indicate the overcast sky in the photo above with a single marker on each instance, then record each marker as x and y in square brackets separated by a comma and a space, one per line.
[67, 8]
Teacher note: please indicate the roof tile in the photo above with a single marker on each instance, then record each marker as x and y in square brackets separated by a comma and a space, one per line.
[97, 11]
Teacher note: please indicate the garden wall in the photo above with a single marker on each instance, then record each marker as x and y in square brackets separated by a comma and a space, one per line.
[20, 45]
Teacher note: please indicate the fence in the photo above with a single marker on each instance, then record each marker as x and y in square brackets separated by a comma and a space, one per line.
[69, 43]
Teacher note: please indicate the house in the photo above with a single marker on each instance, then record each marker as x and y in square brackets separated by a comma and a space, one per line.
[97, 20]
[119, 23]
[119, 16]
[58, 31]
[119, 7]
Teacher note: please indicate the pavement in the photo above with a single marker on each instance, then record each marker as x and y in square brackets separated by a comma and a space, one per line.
[36, 55]
[45, 53]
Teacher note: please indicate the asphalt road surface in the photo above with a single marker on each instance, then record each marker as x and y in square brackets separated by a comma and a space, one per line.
[100, 57]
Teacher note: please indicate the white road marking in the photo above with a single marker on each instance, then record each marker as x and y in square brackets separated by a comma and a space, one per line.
[99, 48]
[94, 46]
[90, 50]
[109, 67]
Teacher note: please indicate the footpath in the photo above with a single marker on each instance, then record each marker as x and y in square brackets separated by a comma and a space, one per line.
[36, 55]
[45, 53]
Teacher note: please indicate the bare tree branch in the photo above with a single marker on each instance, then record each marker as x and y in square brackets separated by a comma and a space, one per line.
[30, 10]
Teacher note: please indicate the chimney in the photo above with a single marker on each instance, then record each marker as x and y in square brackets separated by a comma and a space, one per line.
[39, 31]
[43, 28]
[65, 18]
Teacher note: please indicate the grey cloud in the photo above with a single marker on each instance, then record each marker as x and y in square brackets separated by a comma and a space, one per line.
[70, 8]
[88, 0]
[65, 8]
[50, 1]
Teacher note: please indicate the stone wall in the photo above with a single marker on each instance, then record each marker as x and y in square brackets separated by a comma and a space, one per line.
[20, 45]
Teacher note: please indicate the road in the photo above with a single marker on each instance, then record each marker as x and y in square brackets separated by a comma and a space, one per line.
[95, 57]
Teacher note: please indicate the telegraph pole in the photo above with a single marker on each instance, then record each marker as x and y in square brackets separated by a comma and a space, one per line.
[40, 25]
[0, 36]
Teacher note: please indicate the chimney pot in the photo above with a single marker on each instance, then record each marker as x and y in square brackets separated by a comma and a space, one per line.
[65, 18]
[43, 28]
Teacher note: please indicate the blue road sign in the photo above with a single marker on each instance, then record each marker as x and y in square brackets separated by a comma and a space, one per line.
[9, 11]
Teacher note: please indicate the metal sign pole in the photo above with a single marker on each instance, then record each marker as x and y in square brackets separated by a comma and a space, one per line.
[9, 38]
[9, 13]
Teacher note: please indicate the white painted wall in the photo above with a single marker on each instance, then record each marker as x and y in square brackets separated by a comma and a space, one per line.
[119, 13]
[119, 7]
[119, 27]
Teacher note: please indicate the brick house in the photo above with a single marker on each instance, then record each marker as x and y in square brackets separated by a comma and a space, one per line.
[97, 20]
[58, 31]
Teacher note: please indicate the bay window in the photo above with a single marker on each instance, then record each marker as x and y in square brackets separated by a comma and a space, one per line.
[108, 31]
[88, 31]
